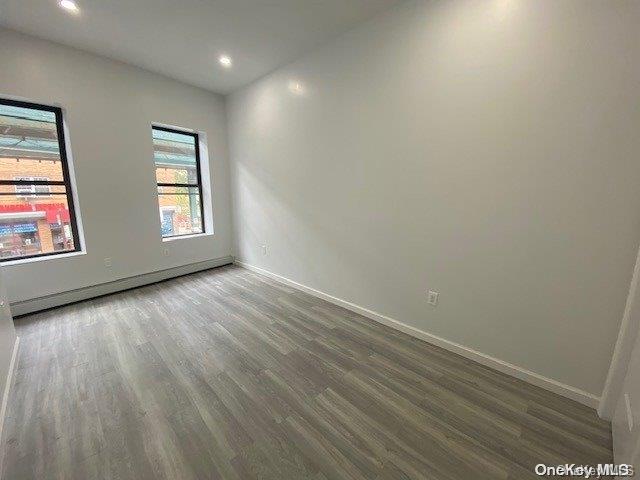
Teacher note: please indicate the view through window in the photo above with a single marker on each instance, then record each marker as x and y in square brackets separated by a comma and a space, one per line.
[36, 208]
[177, 161]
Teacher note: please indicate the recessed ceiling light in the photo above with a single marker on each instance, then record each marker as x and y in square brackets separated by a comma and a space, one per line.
[225, 61]
[69, 5]
[296, 87]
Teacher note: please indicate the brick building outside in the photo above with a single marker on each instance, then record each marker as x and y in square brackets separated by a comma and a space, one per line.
[33, 223]
[179, 214]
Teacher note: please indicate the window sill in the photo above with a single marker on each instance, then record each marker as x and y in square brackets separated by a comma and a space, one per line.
[60, 256]
[182, 237]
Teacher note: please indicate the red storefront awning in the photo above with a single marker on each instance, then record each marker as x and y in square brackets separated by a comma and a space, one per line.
[55, 212]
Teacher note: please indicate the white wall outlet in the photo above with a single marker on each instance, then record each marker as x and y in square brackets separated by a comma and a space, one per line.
[264, 249]
[107, 262]
[432, 297]
[166, 252]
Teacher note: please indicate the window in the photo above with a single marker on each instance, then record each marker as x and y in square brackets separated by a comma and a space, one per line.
[36, 205]
[177, 160]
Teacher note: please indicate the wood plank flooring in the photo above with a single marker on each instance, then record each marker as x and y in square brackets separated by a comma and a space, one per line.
[228, 374]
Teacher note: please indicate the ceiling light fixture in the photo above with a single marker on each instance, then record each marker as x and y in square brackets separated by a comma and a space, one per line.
[69, 6]
[296, 87]
[225, 61]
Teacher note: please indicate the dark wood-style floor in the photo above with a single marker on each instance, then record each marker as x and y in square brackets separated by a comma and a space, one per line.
[227, 374]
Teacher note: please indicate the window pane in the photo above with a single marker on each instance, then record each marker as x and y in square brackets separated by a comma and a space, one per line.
[35, 216]
[176, 175]
[28, 143]
[180, 212]
[174, 150]
[33, 225]
[176, 161]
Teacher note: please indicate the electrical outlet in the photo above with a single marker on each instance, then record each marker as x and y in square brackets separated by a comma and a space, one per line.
[432, 297]
[264, 249]
[107, 262]
[166, 252]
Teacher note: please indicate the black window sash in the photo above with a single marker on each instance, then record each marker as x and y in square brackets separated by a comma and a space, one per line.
[198, 185]
[66, 180]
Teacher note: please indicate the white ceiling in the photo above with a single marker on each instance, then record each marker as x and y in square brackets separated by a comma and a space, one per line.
[184, 38]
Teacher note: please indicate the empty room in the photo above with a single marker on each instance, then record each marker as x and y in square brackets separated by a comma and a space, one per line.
[319, 239]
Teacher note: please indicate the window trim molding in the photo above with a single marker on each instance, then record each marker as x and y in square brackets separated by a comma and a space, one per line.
[66, 178]
[196, 139]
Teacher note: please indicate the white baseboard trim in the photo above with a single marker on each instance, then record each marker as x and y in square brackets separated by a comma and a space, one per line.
[528, 376]
[63, 298]
[7, 390]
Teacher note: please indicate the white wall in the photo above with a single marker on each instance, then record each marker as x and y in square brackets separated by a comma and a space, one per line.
[7, 347]
[109, 109]
[626, 430]
[484, 149]
[625, 345]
